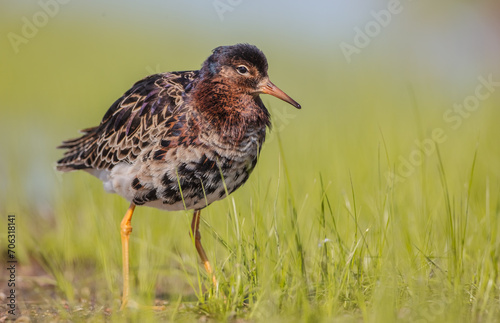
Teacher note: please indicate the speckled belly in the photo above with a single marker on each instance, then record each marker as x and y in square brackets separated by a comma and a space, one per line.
[204, 176]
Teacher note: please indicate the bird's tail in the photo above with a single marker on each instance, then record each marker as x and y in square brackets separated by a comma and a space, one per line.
[79, 151]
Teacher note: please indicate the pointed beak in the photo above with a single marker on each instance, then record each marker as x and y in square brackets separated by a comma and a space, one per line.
[268, 87]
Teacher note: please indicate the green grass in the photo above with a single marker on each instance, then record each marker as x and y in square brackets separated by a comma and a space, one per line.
[314, 235]
[320, 232]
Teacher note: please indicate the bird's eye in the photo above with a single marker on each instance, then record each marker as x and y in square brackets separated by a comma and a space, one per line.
[242, 69]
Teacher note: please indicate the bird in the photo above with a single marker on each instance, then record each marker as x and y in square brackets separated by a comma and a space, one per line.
[180, 140]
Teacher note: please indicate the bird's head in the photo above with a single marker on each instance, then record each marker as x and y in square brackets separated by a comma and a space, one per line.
[244, 68]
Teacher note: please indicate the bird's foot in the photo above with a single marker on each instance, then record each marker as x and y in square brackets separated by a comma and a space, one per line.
[131, 304]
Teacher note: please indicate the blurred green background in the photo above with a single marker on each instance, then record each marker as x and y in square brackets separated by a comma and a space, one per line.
[63, 75]
[373, 84]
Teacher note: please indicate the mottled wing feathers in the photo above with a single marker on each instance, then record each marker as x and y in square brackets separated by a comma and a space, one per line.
[133, 123]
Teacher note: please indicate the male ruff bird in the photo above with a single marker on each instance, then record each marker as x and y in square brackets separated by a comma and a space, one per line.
[180, 140]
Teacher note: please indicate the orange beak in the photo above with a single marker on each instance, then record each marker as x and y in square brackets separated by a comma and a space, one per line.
[268, 87]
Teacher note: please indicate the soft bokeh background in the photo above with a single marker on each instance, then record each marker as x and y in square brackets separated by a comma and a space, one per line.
[361, 114]
[68, 71]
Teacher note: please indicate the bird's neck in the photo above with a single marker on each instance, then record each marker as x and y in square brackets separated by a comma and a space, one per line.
[229, 111]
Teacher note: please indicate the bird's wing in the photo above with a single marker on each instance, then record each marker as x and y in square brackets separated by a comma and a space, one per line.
[132, 124]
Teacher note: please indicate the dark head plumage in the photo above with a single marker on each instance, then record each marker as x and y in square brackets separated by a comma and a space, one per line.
[235, 55]
[243, 67]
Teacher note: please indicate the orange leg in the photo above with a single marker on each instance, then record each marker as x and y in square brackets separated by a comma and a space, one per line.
[195, 225]
[125, 230]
